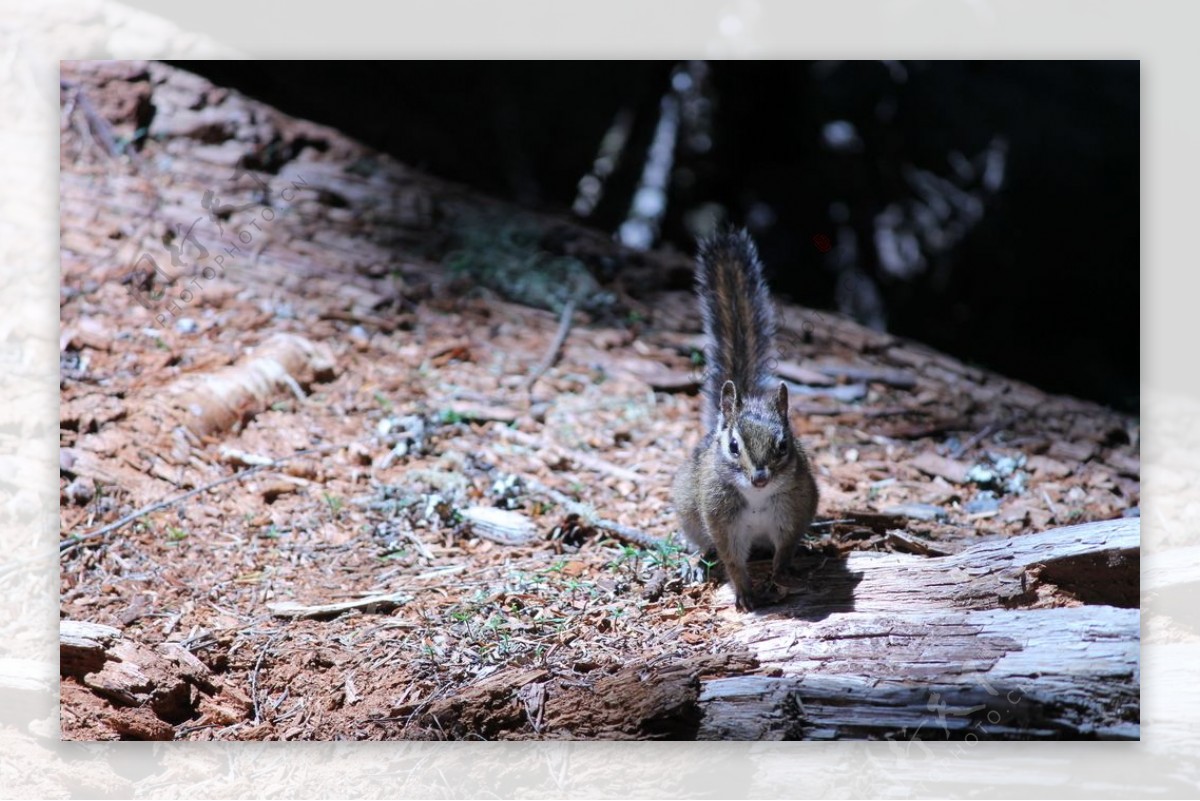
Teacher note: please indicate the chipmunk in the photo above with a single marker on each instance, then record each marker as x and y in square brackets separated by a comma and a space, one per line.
[748, 480]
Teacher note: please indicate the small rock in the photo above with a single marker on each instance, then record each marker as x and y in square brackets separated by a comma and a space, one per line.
[981, 475]
[186, 325]
[1005, 466]
[985, 501]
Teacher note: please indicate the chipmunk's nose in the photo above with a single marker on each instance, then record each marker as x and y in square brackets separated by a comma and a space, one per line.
[760, 478]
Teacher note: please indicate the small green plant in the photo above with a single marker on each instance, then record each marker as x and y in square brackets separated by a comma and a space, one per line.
[384, 402]
[335, 504]
[449, 417]
[670, 555]
[628, 554]
[176, 534]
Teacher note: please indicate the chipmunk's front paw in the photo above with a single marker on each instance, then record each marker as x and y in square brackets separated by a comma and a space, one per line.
[744, 600]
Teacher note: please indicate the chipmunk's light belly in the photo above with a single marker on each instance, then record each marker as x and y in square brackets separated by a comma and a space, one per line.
[759, 520]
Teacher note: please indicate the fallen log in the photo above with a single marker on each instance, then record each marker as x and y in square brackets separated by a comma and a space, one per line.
[1034, 637]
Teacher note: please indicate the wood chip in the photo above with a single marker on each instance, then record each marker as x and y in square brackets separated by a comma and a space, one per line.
[500, 525]
[1078, 451]
[792, 371]
[1125, 464]
[846, 393]
[900, 541]
[930, 463]
[373, 603]
[1045, 466]
[81, 646]
[658, 375]
[900, 379]
[483, 414]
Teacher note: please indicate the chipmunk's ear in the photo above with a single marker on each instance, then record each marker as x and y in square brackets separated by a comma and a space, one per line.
[729, 400]
[781, 401]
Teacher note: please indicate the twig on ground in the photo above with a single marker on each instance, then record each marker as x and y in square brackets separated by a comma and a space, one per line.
[564, 326]
[832, 523]
[620, 531]
[418, 543]
[254, 678]
[990, 429]
[97, 128]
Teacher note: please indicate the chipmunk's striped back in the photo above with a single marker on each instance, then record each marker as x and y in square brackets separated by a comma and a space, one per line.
[739, 325]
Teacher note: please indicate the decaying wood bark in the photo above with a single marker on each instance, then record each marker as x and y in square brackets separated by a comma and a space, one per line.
[646, 700]
[134, 691]
[902, 647]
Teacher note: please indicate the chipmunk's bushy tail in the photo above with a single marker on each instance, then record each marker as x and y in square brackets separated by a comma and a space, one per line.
[739, 325]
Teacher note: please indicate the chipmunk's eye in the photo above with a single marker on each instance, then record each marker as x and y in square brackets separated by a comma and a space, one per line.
[733, 446]
[781, 447]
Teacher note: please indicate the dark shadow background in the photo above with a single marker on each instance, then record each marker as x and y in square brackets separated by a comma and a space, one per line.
[1037, 277]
